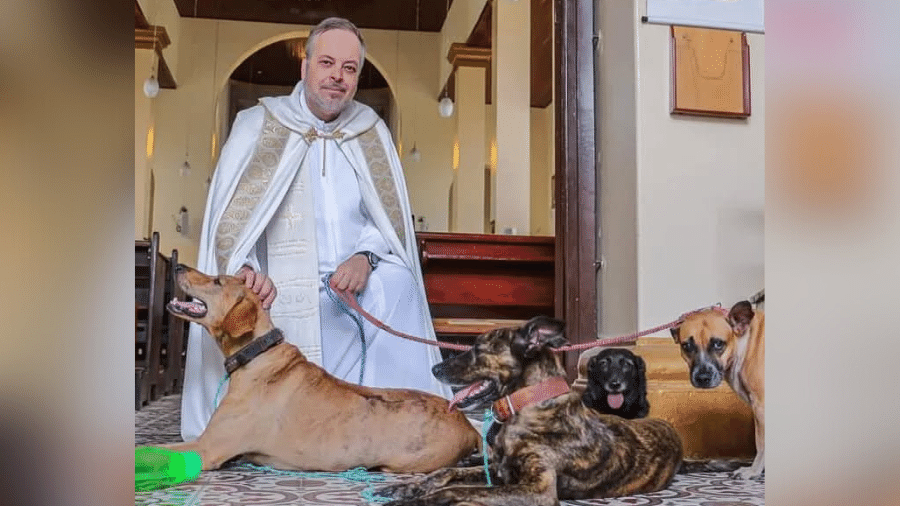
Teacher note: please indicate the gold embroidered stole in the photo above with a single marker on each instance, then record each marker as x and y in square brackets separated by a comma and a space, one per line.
[383, 178]
[250, 189]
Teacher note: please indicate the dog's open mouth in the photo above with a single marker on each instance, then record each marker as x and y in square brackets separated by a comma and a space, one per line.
[194, 309]
[474, 395]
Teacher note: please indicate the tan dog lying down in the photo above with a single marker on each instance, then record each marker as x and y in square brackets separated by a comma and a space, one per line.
[283, 411]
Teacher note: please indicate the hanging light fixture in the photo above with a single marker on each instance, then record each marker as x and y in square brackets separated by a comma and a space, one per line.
[151, 84]
[414, 153]
[185, 169]
[445, 107]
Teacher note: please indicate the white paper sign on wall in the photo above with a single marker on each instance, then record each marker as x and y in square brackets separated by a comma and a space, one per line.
[740, 15]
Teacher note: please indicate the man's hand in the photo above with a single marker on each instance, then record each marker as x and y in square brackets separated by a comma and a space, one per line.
[261, 285]
[352, 274]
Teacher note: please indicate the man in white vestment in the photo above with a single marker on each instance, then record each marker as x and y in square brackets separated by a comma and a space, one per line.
[306, 185]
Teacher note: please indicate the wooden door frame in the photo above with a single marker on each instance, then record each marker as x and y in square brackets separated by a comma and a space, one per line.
[576, 171]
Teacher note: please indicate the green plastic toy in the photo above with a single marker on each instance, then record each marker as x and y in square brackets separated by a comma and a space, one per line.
[156, 468]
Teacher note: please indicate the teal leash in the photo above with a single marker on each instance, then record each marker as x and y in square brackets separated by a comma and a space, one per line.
[353, 316]
[357, 474]
[485, 427]
[219, 390]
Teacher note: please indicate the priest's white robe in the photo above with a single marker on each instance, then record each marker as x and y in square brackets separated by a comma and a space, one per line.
[293, 197]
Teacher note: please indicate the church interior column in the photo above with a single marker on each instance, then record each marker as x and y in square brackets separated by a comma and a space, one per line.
[511, 92]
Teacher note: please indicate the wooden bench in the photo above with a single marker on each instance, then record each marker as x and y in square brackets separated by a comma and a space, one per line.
[477, 282]
[149, 306]
[160, 337]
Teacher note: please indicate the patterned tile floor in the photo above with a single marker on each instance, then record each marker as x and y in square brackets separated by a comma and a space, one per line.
[242, 485]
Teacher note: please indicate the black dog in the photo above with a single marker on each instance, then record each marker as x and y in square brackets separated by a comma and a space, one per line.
[617, 384]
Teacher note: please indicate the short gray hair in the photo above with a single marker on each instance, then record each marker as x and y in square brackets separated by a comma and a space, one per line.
[336, 24]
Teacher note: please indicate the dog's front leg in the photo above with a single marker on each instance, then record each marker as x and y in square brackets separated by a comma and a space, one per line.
[535, 489]
[758, 466]
[227, 435]
[435, 480]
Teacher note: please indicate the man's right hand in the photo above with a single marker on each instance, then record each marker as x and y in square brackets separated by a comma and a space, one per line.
[261, 285]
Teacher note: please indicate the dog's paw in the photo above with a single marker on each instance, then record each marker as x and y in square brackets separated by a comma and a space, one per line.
[747, 473]
[398, 491]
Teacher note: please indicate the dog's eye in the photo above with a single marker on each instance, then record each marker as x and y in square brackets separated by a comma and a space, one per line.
[217, 281]
[716, 345]
[688, 346]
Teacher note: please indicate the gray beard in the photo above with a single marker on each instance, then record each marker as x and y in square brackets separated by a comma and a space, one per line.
[330, 107]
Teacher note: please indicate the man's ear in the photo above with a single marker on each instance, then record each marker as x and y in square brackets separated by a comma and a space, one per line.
[739, 317]
[303, 67]
[241, 319]
[539, 333]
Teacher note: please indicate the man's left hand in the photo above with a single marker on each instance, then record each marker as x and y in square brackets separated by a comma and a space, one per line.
[352, 274]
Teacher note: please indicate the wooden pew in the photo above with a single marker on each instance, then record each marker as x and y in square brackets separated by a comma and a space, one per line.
[149, 303]
[174, 333]
[477, 282]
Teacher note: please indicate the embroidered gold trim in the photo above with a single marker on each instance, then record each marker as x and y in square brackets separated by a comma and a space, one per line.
[253, 184]
[311, 135]
[380, 169]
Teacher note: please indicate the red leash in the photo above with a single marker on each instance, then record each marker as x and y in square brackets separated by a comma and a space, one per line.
[350, 300]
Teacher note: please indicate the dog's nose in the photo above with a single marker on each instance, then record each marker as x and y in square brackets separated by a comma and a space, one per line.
[703, 377]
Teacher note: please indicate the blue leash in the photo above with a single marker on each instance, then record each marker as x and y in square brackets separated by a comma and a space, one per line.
[353, 316]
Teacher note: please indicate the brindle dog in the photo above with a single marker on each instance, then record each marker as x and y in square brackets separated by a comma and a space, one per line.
[551, 450]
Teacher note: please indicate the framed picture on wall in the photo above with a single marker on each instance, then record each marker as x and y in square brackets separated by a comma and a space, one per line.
[710, 72]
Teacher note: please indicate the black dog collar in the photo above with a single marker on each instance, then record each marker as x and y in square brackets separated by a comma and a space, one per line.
[253, 350]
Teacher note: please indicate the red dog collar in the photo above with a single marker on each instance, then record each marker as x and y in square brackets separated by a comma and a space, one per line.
[505, 407]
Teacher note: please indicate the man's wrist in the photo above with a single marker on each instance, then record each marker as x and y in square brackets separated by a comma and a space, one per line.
[370, 257]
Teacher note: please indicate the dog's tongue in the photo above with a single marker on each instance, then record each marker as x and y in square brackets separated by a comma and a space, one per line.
[615, 400]
[465, 392]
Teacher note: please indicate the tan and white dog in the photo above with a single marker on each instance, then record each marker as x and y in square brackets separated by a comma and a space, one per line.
[730, 347]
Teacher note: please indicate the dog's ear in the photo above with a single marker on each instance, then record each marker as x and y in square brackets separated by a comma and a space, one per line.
[641, 387]
[537, 334]
[739, 317]
[675, 331]
[641, 367]
[241, 319]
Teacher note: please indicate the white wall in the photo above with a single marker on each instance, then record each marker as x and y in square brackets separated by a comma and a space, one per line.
[682, 214]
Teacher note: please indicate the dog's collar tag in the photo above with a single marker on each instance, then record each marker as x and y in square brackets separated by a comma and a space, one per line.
[506, 407]
[253, 350]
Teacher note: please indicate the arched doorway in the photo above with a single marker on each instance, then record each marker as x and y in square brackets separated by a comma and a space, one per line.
[275, 70]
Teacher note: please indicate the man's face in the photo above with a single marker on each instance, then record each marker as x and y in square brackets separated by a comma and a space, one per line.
[331, 73]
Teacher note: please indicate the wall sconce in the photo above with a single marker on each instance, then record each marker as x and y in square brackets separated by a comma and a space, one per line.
[445, 107]
[182, 219]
